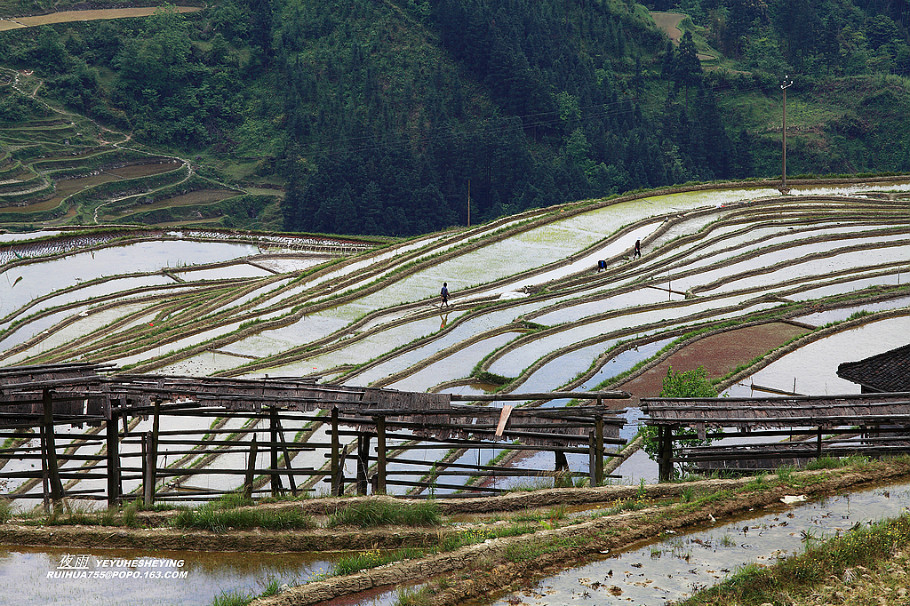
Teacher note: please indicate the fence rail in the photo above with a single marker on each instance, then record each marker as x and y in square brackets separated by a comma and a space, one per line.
[814, 427]
[140, 437]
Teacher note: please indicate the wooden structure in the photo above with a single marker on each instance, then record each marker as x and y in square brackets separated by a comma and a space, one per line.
[887, 372]
[766, 433]
[58, 399]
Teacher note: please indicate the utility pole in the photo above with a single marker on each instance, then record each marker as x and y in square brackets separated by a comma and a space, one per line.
[783, 187]
[469, 202]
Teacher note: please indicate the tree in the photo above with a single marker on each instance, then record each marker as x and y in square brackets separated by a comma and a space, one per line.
[743, 15]
[688, 67]
[687, 384]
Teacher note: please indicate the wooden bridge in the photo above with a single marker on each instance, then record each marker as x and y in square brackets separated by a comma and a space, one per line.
[56, 400]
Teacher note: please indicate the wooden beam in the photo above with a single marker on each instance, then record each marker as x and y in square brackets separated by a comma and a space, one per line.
[114, 485]
[50, 450]
[380, 456]
[337, 473]
[250, 469]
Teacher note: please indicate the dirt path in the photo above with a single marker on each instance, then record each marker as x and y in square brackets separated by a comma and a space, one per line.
[669, 24]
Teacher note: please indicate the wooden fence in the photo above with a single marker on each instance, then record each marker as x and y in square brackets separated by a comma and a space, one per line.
[766, 433]
[123, 452]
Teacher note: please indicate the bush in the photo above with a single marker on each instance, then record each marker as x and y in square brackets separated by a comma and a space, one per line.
[688, 384]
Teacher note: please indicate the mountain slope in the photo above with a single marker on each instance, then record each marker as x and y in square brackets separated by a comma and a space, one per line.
[388, 117]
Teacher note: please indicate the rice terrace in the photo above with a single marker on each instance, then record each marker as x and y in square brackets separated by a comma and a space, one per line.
[212, 412]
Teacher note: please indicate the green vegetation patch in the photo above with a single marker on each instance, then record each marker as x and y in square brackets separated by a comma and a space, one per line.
[350, 564]
[381, 513]
[800, 576]
[220, 517]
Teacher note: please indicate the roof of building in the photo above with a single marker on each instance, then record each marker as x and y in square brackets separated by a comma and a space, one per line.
[887, 372]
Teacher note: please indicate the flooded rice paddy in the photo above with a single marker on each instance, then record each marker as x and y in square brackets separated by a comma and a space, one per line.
[528, 305]
[677, 565]
[812, 369]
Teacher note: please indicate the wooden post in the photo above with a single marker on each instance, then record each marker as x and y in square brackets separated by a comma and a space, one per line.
[275, 477]
[592, 464]
[818, 450]
[148, 478]
[363, 462]
[114, 486]
[598, 450]
[156, 423]
[380, 456]
[50, 449]
[336, 471]
[287, 457]
[250, 470]
[562, 465]
[665, 453]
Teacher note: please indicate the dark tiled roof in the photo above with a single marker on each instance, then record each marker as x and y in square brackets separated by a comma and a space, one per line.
[885, 372]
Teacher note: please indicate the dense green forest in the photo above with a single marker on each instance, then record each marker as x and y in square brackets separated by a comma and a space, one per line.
[381, 117]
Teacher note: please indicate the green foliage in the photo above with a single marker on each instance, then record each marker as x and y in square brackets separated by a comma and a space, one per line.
[219, 516]
[382, 117]
[379, 513]
[522, 552]
[232, 598]
[19, 108]
[349, 564]
[129, 514]
[406, 596]
[537, 147]
[828, 462]
[686, 384]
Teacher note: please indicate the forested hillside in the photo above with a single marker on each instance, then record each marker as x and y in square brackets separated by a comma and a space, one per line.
[382, 116]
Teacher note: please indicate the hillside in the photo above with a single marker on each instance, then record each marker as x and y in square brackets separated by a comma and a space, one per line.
[387, 117]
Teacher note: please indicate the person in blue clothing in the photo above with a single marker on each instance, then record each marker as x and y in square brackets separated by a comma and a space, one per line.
[444, 293]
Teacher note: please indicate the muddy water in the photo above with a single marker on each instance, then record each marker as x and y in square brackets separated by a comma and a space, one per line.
[125, 577]
[675, 566]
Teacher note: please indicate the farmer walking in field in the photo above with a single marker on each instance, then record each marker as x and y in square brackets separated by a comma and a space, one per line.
[637, 251]
[444, 293]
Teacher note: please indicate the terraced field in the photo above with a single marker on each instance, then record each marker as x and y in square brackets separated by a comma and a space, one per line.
[529, 310]
[60, 168]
